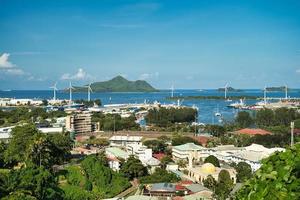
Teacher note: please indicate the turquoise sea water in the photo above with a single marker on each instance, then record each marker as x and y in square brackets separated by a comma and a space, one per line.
[207, 108]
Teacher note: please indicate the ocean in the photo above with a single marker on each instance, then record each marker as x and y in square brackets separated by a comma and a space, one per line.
[207, 108]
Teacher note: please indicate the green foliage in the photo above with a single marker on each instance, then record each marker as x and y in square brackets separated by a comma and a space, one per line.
[281, 116]
[133, 168]
[224, 185]
[179, 140]
[163, 117]
[77, 193]
[29, 145]
[111, 122]
[27, 114]
[213, 160]
[164, 161]
[265, 117]
[244, 119]
[157, 146]
[297, 123]
[75, 176]
[210, 183]
[3, 147]
[215, 130]
[21, 139]
[102, 142]
[101, 179]
[277, 178]
[31, 182]
[160, 176]
[244, 171]
[19, 195]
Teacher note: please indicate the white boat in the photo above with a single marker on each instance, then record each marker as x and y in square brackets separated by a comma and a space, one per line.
[217, 114]
[239, 104]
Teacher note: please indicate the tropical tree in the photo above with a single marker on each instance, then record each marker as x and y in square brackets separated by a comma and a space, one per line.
[224, 185]
[278, 178]
[133, 168]
[244, 171]
[213, 160]
[244, 119]
[210, 182]
[33, 181]
[21, 138]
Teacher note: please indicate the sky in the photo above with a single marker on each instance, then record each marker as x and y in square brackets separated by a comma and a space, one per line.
[189, 44]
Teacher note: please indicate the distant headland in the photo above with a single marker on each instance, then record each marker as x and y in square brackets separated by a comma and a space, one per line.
[118, 84]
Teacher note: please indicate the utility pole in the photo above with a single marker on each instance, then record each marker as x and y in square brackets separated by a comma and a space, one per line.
[292, 133]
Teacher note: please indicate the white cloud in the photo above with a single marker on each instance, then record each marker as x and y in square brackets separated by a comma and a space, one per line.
[146, 76]
[4, 62]
[79, 75]
[15, 71]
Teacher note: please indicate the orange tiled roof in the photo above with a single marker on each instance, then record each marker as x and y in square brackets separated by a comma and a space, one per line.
[253, 131]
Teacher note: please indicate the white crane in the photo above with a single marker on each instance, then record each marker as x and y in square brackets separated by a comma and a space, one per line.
[70, 90]
[54, 91]
[89, 89]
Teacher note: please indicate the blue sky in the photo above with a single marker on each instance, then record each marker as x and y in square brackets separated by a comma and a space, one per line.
[191, 44]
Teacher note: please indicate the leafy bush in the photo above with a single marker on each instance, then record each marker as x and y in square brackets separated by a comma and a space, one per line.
[160, 176]
[277, 179]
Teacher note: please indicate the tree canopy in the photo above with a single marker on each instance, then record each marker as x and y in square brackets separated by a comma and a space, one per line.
[244, 171]
[277, 178]
[213, 160]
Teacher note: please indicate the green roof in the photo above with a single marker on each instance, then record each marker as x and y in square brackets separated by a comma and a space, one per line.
[188, 147]
[117, 152]
[141, 197]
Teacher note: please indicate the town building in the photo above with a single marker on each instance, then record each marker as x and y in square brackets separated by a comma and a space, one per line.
[160, 190]
[200, 173]
[80, 122]
[185, 150]
[124, 140]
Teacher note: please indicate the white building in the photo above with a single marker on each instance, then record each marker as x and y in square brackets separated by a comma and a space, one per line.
[119, 140]
[252, 154]
[186, 150]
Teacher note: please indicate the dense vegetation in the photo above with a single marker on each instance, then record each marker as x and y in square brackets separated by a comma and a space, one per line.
[222, 187]
[35, 154]
[119, 84]
[114, 122]
[278, 178]
[213, 160]
[95, 178]
[160, 176]
[166, 116]
[27, 114]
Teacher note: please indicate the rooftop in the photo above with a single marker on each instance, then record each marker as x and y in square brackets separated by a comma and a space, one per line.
[163, 187]
[253, 131]
[117, 152]
[141, 197]
[196, 188]
[188, 147]
[126, 138]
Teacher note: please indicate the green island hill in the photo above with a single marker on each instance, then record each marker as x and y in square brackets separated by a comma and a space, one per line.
[118, 84]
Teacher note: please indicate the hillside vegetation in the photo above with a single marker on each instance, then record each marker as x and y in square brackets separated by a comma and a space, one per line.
[119, 84]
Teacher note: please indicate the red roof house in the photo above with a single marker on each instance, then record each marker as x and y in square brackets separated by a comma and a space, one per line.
[253, 131]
